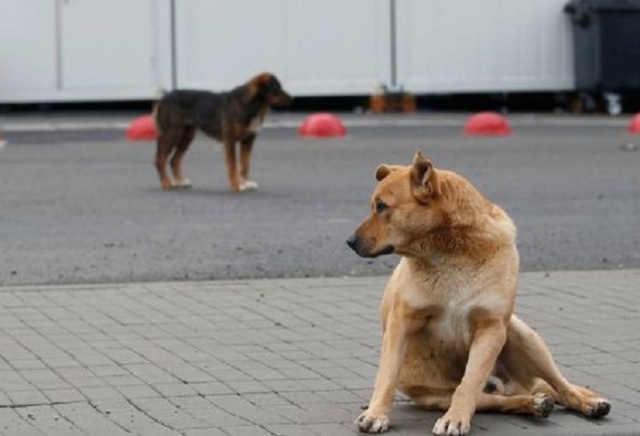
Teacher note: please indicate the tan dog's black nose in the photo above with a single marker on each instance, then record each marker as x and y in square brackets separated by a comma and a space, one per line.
[352, 242]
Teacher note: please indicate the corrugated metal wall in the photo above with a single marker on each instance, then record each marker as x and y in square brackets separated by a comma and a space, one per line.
[70, 50]
[66, 50]
[316, 48]
[488, 45]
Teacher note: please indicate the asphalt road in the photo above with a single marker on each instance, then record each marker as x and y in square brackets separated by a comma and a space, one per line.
[86, 207]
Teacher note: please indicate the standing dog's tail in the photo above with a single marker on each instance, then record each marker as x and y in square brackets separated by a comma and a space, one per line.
[160, 92]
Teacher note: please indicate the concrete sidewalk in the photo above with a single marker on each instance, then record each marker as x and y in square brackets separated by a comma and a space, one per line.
[276, 357]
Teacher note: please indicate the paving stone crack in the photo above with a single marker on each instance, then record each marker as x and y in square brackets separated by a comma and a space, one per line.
[106, 415]
[48, 403]
[151, 417]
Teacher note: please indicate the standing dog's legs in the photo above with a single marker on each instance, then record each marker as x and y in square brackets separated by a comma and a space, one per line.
[230, 159]
[166, 142]
[246, 145]
[176, 160]
[526, 356]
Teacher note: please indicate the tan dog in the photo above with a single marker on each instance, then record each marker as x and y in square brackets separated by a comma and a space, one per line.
[450, 339]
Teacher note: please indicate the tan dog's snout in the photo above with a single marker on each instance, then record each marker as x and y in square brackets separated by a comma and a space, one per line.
[355, 243]
[366, 247]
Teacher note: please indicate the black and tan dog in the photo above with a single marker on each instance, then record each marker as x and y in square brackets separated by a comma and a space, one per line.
[450, 339]
[230, 117]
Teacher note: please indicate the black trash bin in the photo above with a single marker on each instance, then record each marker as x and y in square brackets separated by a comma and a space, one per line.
[606, 44]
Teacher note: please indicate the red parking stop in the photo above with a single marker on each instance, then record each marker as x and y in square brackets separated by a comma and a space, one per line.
[487, 124]
[322, 125]
[142, 129]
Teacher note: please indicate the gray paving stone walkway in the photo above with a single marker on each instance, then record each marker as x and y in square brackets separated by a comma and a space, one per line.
[275, 357]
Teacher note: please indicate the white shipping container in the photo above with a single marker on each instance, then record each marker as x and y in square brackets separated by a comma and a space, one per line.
[79, 50]
[330, 47]
[75, 50]
[449, 46]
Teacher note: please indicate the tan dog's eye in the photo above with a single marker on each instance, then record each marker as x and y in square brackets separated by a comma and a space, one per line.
[381, 207]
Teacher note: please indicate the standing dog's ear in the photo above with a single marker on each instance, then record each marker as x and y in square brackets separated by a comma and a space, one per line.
[424, 182]
[258, 86]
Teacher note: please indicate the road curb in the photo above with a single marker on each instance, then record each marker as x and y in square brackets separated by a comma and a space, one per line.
[293, 121]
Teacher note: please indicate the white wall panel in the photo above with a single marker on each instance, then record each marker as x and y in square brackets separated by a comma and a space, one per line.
[114, 49]
[72, 50]
[75, 50]
[27, 47]
[488, 45]
[316, 48]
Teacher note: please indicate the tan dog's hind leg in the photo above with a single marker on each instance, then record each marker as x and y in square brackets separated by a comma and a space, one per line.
[486, 345]
[394, 340]
[540, 405]
[527, 357]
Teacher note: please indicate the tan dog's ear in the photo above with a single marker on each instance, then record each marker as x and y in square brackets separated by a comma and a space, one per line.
[424, 181]
[384, 170]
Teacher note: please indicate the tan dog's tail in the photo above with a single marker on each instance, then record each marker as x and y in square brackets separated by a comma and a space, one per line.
[160, 92]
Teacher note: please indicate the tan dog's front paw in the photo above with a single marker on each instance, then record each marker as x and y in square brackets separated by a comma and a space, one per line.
[370, 422]
[452, 424]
